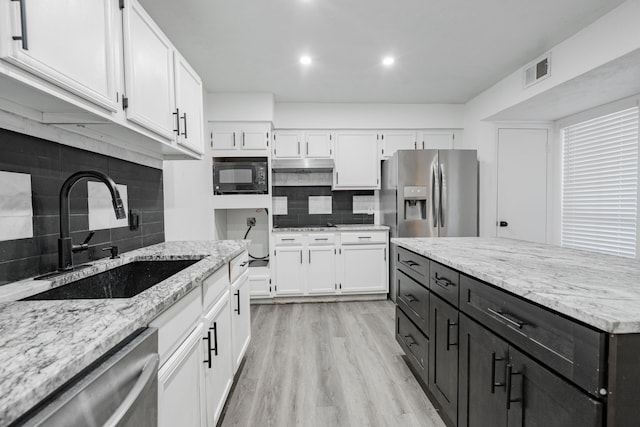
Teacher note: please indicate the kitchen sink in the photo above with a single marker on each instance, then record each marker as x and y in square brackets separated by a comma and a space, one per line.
[124, 281]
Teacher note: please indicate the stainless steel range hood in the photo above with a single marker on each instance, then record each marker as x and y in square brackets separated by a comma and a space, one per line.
[302, 165]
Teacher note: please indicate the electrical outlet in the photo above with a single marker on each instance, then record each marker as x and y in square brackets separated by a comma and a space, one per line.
[251, 222]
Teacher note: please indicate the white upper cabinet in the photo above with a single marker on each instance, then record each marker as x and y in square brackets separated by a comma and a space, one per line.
[318, 144]
[436, 140]
[149, 78]
[286, 144]
[73, 45]
[189, 106]
[356, 160]
[392, 141]
[239, 139]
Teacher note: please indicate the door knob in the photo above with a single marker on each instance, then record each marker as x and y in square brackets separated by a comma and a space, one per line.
[503, 224]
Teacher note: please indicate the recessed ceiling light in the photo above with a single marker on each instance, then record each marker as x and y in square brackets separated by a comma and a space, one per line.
[388, 61]
[305, 60]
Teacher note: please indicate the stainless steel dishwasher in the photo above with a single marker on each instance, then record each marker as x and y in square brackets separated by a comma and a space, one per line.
[120, 391]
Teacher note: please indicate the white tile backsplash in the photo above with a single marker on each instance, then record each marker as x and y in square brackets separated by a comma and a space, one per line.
[16, 209]
[319, 205]
[101, 214]
[280, 206]
[363, 205]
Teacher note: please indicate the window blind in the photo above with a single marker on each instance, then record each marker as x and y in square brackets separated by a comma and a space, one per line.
[600, 184]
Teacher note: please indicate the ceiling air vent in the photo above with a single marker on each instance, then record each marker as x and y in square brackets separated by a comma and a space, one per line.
[538, 70]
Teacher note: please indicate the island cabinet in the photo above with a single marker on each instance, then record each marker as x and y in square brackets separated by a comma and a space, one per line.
[488, 358]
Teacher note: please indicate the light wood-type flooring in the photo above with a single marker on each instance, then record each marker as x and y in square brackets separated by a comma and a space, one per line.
[326, 364]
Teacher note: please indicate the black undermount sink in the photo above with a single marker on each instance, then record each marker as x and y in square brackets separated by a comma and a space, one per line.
[124, 281]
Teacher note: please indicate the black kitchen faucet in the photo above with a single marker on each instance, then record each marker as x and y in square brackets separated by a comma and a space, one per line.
[65, 246]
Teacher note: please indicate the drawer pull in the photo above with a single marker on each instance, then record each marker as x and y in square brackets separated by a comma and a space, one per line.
[288, 240]
[510, 374]
[324, 238]
[242, 264]
[443, 282]
[411, 298]
[507, 317]
[449, 325]
[413, 342]
[409, 263]
[364, 237]
[495, 384]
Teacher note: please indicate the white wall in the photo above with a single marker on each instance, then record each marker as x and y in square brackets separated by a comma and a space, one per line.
[611, 37]
[239, 107]
[299, 115]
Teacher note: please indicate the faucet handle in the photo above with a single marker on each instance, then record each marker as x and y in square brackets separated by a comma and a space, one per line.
[89, 236]
[114, 251]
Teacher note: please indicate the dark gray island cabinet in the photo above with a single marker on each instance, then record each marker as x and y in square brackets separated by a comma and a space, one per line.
[487, 357]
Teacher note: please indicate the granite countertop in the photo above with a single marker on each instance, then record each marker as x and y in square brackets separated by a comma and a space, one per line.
[600, 290]
[43, 344]
[338, 227]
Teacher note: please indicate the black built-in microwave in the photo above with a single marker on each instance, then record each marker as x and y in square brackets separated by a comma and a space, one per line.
[240, 176]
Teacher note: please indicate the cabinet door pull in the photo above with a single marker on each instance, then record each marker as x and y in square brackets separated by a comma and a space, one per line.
[510, 374]
[23, 25]
[243, 139]
[300, 256]
[385, 254]
[234, 140]
[309, 256]
[508, 317]
[307, 148]
[298, 148]
[208, 339]
[495, 384]
[184, 117]
[177, 114]
[237, 294]
[215, 338]
[449, 325]
[413, 342]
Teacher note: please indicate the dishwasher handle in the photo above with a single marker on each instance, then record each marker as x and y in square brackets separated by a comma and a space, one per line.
[144, 382]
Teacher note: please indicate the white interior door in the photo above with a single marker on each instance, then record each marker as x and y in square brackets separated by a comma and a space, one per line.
[522, 184]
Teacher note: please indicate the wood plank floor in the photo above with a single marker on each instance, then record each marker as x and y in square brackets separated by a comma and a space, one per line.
[326, 364]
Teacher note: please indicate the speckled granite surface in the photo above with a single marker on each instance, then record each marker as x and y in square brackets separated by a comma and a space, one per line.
[339, 227]
[599, 290]
[45, 343]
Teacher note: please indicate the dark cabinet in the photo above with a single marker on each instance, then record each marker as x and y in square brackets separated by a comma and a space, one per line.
[443, 357]
[483, 367]
[502, 387]
[536, 397]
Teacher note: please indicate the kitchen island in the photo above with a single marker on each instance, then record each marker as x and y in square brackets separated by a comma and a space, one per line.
[43, 344]
[549, 335]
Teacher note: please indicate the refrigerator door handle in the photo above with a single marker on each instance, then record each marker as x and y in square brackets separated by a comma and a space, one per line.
[433, 197]
[441, 196]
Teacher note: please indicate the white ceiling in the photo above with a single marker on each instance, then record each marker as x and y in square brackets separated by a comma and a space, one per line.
[447, 51]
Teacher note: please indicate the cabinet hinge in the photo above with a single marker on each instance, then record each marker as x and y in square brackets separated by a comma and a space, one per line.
[340, 285]
[383, 151]
[121, 3]
[275, 151]
[330, 137]
[275, 288]
[125, 102]
[269, 289]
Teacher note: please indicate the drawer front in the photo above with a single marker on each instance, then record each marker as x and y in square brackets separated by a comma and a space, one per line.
[413, 298]
[445, 282]
[213, 286]
[288, 239]
[414, 344]
[238, 265]
[572, 349]
[175, 324]
[321, 239]
[363, 237]
[413, 265]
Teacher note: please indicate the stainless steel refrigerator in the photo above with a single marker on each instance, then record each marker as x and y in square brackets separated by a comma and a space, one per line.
[429, 193]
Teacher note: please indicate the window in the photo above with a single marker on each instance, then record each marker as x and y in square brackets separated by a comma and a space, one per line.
[600, 184]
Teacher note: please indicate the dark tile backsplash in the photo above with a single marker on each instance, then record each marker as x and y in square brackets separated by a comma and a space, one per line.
[298, 207]
[49, 164]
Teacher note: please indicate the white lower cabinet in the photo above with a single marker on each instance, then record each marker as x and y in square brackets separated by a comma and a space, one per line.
[218, 361]
[289, 275]
[201, 352]
[240, 318]
[321, 269]
[364, 269]
[180, 384]
[331, 263]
